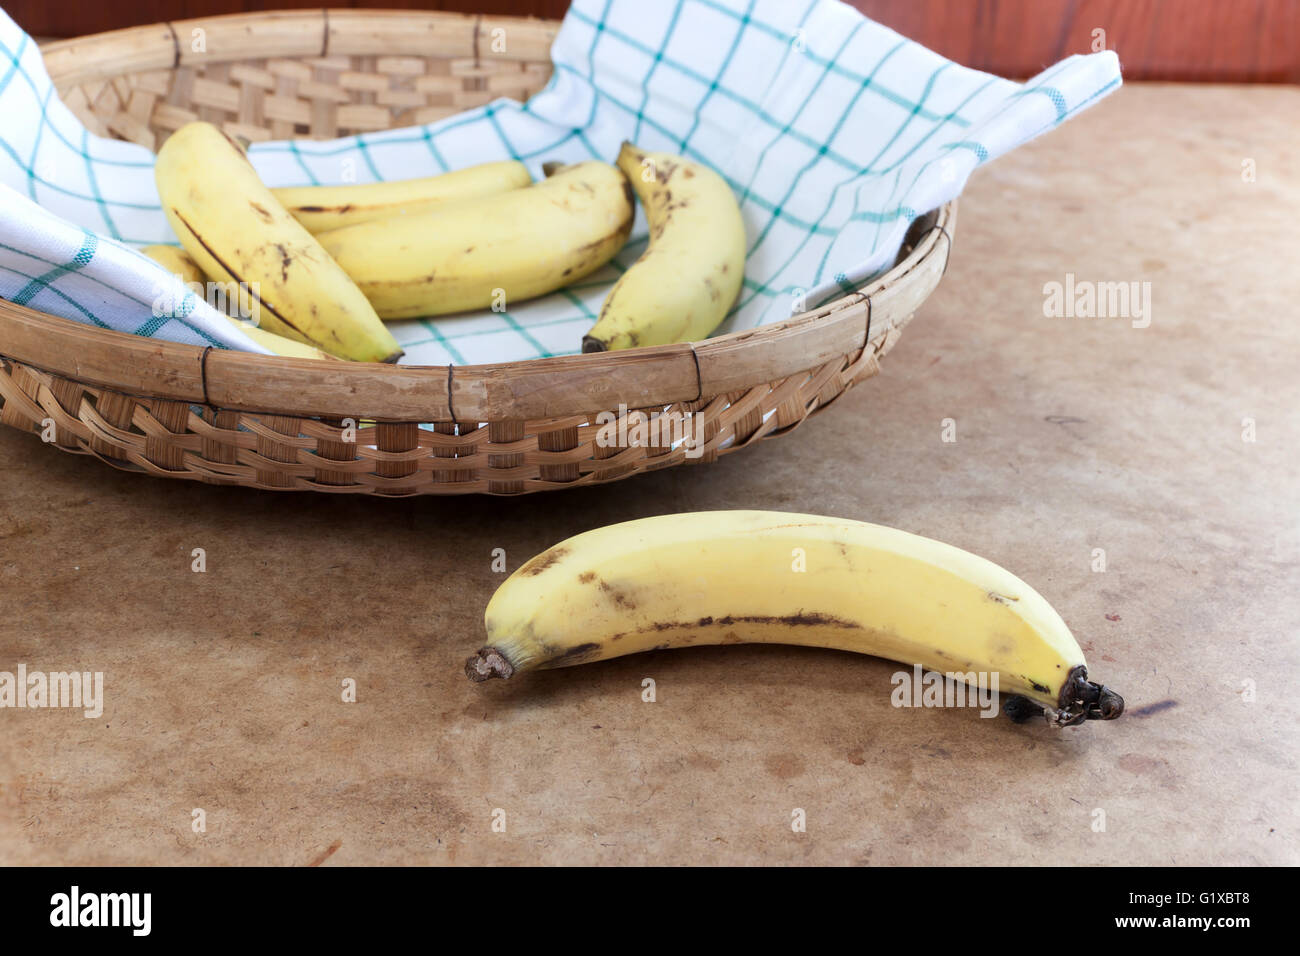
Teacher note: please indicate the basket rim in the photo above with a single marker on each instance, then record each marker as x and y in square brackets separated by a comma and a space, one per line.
[521, 390]
[313, 33]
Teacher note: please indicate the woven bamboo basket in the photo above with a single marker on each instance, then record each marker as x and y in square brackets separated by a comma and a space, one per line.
[233, 418]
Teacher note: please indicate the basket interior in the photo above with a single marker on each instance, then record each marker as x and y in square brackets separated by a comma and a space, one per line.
[315, 74]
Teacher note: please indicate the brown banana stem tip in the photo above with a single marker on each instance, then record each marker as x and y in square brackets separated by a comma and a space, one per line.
[590, 344]
[487, 664]
[1080, 700]
[393, 359]
[551, 167]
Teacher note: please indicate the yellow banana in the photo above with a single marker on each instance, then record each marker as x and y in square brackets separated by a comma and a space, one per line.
[322, 208]
[236, 231]
[687, 280]
[182, 266]
[728, 577]
[493, 251]
[177, 262]
[278, 344]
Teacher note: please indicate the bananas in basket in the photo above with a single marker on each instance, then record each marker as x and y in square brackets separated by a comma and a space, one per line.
[326, 265]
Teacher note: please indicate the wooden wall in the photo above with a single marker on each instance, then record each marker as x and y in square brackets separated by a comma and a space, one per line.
[1198, 40]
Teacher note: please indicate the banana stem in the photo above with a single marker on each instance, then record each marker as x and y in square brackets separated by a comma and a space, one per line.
[486, 664]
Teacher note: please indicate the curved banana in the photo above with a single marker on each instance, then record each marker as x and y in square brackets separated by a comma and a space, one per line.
[727, 577]
[322, 208]
[187, 270]
[684, 284]
[236, 231]
[470, 255]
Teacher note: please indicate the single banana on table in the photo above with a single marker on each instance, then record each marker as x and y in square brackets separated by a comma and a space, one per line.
[728, 577]
[322, 208]
[236, 231]
[179, 263]
[466, 255]
[688, 279]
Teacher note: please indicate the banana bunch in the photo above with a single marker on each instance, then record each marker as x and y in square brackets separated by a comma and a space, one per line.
[514, 245]
[326, 264]
[728, 577]
[689, 277]
[237, 231]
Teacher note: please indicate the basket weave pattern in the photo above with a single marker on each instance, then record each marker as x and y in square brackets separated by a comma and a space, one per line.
[174, 439]
[264, 422]
[320, 97]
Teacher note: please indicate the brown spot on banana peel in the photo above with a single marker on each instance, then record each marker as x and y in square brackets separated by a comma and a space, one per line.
[618, 596]
[286, 260]
[348, 207]
[663, 169]
[541, 562]
[240, 145]
[798, 619]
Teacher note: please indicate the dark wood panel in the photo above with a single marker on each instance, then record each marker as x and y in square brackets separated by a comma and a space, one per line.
[1201, 40]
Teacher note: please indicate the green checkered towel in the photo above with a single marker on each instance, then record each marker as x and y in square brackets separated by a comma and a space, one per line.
[833, 131]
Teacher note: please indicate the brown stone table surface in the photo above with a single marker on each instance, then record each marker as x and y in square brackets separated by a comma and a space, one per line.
[223, 689]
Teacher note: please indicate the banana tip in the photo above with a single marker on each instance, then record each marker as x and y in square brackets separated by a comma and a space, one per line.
[1110, 704]
[486, 664]
[394, 358]
[1080, 700]
[590, 344]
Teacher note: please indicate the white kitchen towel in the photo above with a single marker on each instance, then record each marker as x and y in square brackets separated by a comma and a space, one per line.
[833, 131]
[50, 264]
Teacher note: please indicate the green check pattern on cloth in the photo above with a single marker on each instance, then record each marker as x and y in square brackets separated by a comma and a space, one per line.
[834, 133]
